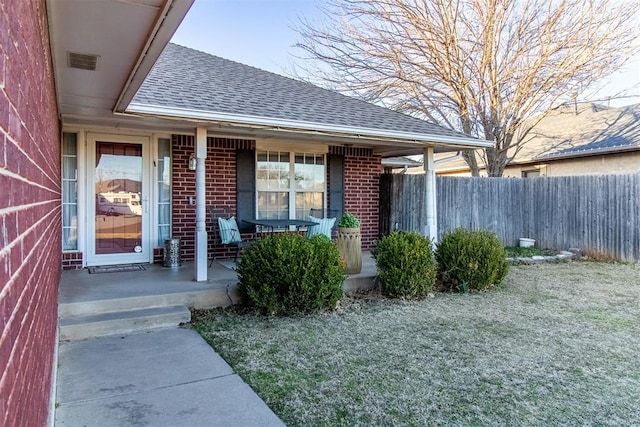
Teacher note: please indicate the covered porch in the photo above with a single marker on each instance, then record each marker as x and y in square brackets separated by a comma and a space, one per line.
[93, 305]
[149, 145]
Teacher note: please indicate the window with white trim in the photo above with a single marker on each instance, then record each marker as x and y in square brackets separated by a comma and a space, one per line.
[289, 184]
[163, 182]
[69, 191]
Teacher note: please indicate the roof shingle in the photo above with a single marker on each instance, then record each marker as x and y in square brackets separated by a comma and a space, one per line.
[194, 80]
[588, 129]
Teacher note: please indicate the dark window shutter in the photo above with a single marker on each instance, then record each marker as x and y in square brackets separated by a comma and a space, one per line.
[336, 183]
[246, 188]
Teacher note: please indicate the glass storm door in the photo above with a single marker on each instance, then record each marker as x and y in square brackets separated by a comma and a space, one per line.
[118, 202]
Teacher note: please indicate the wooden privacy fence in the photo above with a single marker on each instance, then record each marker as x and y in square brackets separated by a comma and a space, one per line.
[598, 214]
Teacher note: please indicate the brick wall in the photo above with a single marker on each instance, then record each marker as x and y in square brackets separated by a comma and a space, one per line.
[362, 171]
[158, 255]
[362, 180]
[220, 178]
[30, 214]
[72, 260]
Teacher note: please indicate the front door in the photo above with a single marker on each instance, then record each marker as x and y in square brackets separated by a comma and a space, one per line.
[118, 200]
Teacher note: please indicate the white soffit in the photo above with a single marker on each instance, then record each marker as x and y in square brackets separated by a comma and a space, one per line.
[123, 37]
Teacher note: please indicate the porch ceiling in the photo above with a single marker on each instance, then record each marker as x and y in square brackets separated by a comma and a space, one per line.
[126, 36]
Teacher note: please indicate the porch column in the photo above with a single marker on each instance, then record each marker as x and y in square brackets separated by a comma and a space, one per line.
[431, 228]
[201, 206]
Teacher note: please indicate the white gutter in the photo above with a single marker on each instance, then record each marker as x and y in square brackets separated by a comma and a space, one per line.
[448, 159]
[578, 153]
[283, 124]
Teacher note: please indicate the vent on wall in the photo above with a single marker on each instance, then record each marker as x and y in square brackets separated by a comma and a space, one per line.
[82, 61]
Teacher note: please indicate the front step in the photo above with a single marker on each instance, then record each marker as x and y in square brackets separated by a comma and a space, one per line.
[202, 299]
[121, 322]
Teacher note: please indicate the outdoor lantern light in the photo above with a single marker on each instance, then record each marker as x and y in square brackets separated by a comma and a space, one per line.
[192, 162]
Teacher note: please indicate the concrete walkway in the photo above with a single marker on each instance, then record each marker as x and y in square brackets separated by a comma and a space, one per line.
[165, 377]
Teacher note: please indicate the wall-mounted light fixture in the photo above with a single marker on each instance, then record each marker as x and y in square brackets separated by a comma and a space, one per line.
[192, 162]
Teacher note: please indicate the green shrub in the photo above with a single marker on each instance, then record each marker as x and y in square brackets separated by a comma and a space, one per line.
[349, 220]
[406, 267]
[287, 274]
[471, 260]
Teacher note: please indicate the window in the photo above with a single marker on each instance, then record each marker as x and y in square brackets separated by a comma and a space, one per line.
[163, 182]
[69, 192]
[310, 176]
[289, 184]
[534, 173]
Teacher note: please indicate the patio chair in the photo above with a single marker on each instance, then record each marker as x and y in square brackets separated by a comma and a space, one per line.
[225, 231]
[331, 218]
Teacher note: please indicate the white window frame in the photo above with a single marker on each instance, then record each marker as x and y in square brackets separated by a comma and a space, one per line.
[81, 230]
[90, 256]
[83, 134]
[155, 193]
[292, 149]
[77, 180]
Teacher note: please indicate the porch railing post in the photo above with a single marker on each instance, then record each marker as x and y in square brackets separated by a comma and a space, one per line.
[431, 227]
[201, 206]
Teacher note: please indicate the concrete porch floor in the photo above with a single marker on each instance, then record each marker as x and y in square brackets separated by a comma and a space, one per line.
[80, 287]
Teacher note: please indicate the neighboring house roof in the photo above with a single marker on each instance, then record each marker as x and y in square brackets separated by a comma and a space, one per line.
[572, 131]
[586, 129]
[188, 83]
[400, 162]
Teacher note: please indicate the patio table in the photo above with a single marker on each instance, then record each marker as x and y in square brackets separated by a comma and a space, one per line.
[280, 223]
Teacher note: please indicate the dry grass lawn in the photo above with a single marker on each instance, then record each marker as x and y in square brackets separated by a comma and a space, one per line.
[557, 344]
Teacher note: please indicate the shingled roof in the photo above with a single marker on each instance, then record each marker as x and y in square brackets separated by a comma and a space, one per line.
[193, 81]
[572, 131]
[584, 129]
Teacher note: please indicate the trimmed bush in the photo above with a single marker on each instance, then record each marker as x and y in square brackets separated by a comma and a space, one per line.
[288, 274]
[406, 267]
[349, 220]
[471, 260]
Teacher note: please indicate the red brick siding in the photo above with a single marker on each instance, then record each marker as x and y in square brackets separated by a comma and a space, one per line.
[158, 255]
[362, 192]
[220, 180]
[30, 214]
[362, 186]
[72, 260]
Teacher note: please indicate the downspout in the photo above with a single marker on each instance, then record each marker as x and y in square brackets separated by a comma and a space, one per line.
[201, 206]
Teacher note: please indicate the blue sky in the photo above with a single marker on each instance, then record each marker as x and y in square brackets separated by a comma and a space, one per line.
[253, 32]
[259, 33]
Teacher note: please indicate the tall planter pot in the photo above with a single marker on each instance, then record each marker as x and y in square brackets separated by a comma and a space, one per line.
[350, 247]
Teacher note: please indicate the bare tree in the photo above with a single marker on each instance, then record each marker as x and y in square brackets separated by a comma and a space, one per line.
[484, 67]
